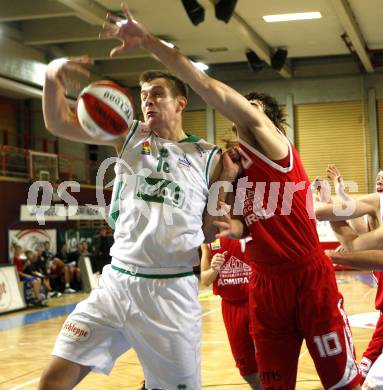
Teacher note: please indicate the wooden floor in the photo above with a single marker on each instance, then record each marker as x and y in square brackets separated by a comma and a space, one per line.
[25, 350]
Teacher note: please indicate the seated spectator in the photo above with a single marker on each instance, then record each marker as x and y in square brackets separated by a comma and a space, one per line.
[56, 267]
[101, 247]
[29, 280]
[71, 262]
[35, 266]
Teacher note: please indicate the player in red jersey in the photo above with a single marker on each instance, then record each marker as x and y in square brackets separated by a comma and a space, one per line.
[224, 264]
[293, 291]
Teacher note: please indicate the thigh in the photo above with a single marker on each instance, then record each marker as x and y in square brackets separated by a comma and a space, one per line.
[325, 327]
[93, 334]
[272, 303]
[237, 323]
[166, 332]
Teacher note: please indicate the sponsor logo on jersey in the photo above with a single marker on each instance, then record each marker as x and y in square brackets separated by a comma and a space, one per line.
[200, 149]
[158, 190]
[216, 245]
[233, 281]
[184, 162]
[75, 330]
[269, 377]
[234, 271]
[164, 153]
[146, 149]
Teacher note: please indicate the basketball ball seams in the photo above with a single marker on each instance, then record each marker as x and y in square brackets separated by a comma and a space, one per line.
[114, 98]
[104, 110]
[89, 125]
[104, 116]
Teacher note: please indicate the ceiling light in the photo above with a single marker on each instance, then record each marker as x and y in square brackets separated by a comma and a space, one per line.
[290, 17]
[168, 44]
[200, 65]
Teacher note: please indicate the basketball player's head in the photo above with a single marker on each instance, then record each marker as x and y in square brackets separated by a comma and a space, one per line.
[163, 98]
[269, 106]
[379, 181]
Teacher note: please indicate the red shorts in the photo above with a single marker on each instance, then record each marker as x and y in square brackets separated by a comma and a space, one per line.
[297, 301]
[58, 271]
[374, 349]
[237, 322]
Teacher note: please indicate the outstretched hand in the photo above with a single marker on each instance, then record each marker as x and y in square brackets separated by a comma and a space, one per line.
[321, 190]
[62, 70]
[334, 175]
[131, 33]
[224, 222]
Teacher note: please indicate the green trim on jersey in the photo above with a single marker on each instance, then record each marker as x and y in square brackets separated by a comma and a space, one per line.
[208, 164]
[115, 214]
[190, 138]
[152, 276]
[130, 135]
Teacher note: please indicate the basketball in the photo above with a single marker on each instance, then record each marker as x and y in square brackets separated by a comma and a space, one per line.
[104, 110]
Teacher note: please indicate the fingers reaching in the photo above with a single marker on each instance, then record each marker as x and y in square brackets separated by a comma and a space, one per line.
[126, 11]
[321, 190]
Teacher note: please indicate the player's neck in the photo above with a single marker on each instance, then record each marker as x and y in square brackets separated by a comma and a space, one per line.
[175, 134]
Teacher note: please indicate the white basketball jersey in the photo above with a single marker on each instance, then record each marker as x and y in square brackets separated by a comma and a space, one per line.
[159, 195]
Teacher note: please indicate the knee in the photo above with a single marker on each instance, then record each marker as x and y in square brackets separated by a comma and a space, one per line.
[49, 381]
[52, 378]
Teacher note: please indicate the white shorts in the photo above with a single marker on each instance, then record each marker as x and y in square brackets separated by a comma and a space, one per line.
[374, 378]
[159, 318]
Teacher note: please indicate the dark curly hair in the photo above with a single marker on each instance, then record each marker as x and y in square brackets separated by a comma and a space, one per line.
[271, 108]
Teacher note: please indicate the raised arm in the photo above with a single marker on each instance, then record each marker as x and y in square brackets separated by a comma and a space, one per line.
[359, 225]
[58, 116]
[341, 211]
[367, 260]
[253, 124]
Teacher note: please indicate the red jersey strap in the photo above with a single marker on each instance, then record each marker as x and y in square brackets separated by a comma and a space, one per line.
[247, 161]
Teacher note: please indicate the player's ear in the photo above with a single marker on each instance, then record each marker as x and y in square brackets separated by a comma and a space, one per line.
[182, 102]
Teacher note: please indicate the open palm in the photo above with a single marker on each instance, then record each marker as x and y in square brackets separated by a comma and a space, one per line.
[128, 31]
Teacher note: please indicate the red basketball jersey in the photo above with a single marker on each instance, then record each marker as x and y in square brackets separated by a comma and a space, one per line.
[278, 208]
[233, 278]
[379, 292]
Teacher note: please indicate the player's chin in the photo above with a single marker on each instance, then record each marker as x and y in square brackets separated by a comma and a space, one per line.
[154, 123]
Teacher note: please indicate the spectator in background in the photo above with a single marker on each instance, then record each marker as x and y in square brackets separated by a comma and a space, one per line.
[85, 248]
[28, 279]
[34, 266]
[101, 247]
[56, 267]
[71, 262]
[46, 254]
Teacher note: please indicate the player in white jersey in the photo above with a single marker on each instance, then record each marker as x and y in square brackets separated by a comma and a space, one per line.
[147, 297]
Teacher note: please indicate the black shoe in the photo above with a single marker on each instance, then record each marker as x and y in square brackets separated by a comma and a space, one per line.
[40, 303]
[143, 387]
